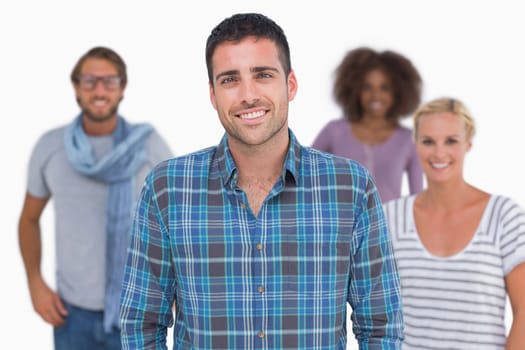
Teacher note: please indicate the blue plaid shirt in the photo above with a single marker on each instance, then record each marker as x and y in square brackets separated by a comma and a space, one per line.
[277, 281]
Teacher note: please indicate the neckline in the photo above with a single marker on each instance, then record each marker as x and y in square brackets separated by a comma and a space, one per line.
[389, 139]
[457, 255]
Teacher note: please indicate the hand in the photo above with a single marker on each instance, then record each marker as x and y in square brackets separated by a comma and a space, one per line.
[47, 303]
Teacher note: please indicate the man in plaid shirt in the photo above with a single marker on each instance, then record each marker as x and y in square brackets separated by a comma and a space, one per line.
[259, 242]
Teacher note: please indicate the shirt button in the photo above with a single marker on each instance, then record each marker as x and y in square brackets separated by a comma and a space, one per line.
[260, 289]
[243, 205]
[259, 246]
[260, 334]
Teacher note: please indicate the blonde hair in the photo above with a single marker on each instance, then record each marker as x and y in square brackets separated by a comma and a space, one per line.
[446, 104]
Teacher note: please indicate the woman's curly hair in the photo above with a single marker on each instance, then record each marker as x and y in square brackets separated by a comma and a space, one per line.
[357, 63]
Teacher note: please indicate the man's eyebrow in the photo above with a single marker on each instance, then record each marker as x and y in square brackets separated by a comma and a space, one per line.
[253, 70]
[263, 68]
[228, 72]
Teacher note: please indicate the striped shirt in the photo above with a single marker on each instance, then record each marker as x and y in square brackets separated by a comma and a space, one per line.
[280, 280]
[457, 302]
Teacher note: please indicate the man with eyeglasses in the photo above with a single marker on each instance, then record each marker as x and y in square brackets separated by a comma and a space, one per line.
[93, 168]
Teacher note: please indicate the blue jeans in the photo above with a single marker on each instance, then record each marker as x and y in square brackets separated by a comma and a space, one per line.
[83, 330]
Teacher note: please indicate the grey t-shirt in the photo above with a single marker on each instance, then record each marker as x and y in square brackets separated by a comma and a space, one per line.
[80, 212]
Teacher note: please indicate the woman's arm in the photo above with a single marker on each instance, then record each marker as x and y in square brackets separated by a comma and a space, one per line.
[515, 283]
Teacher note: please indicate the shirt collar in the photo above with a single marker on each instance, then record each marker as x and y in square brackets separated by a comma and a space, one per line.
[228, 168]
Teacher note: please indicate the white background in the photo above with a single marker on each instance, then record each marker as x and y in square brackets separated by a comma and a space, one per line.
[472, 50]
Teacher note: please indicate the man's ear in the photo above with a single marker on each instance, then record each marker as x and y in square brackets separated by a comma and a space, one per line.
[292, 85]
[212, 95]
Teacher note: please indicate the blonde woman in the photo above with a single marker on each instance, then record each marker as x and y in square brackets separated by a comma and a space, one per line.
[460, 250]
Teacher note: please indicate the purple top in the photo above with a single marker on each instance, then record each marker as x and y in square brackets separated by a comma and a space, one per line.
[386, 161]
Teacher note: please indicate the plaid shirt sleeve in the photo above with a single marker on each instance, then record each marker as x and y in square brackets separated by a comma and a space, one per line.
[149, 278]
[374, 290]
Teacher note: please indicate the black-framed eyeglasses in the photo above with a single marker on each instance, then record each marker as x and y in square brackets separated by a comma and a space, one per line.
[88, 82]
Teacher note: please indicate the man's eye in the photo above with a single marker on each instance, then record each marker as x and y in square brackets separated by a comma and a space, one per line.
[111, 81]
[228, 80]
[264, 75]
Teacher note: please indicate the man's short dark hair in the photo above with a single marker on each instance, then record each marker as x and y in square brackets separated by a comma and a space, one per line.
[242, 25]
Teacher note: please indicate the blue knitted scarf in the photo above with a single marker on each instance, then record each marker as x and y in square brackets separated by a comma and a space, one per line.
[117, 169]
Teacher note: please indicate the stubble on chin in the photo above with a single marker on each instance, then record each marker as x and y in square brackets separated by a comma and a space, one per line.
[100, 118]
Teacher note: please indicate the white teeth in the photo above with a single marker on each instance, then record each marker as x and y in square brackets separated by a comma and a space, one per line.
[100, 103]
[376, 105]
[439, 165]
[252, 115]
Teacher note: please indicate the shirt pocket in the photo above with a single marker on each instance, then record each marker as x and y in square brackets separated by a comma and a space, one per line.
[316, 267]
